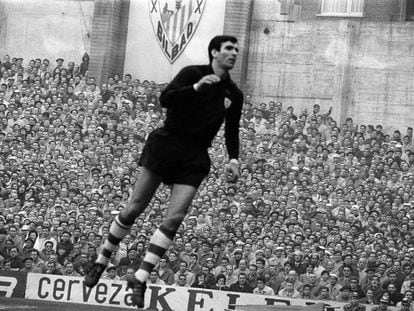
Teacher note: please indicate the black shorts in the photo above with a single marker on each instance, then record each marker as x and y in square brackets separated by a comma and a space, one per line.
[175, 159]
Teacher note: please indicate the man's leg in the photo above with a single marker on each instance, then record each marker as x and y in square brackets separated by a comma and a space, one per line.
[181, 198]
[145, 187]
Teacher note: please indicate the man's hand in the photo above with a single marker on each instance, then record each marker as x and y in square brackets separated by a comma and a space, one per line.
[205, 82]
[231, 171]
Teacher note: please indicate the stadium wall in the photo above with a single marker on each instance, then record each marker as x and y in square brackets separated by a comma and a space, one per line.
[363, 69]
[46, 29]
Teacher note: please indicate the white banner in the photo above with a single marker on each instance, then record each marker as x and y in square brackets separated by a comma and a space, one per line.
[160, 298]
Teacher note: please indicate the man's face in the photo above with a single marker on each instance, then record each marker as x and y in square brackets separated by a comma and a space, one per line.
[227, 55]
[69, 268]
[182, 280]
[242, 279]
[153, 276]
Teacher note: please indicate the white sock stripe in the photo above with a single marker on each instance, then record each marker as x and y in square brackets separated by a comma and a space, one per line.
[117, 231]
[160, 239]
[102, 260]
[151, 258]
[109, 246]
[119, 222]
[141, 275]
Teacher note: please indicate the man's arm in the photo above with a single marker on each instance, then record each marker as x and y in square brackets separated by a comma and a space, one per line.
[180, 89]
[231, 136]
[188, 83]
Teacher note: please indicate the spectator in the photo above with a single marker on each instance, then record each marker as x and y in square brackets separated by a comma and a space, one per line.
[16, 262]
[221, 283]
[190, 278]
[200, 281]
[323, 294]
[306, 292]
[273, 279]
[154, 278]
[345, 295]
[354, 305]
[383, 305]
[69, 270]
[289, 290]
[165, 273]
[241, 285]
[312, 191]
[111, 273]
[262, 289]
[181, 281]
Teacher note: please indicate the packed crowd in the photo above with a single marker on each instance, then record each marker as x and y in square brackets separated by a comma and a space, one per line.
[322, 210]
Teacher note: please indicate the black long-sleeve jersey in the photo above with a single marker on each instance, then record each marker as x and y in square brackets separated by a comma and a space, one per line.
[199, 115]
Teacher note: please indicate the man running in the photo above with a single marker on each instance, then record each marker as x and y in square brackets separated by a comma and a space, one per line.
[198, 100]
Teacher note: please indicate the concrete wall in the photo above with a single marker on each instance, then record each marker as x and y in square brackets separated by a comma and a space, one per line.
[363, 69]
[238, 23]
[46, 28]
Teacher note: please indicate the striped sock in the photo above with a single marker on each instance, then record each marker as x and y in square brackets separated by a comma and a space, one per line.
[119, 229]
[159, 244]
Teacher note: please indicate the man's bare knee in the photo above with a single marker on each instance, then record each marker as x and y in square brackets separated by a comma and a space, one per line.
[173, 222]
[130, 213]
[137, 204]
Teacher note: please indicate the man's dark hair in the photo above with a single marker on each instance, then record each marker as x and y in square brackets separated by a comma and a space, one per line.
[215, 44]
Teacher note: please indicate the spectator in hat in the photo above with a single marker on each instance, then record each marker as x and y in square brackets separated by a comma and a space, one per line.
[354, 305]
[383, 304]
[132, 259]
[407, 301]
[345, 294]
[28, 266]
[365, 281]
[111, 273]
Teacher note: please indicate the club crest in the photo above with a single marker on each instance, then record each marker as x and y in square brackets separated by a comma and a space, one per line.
[227, 103]
[174, 23]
